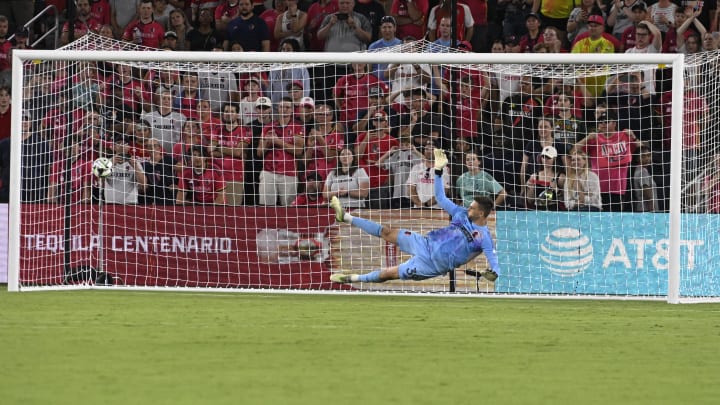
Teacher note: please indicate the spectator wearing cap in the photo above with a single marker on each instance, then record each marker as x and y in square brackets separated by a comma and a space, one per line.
[166, 124]
[145, 30]
[290, 24]
[282, 81]
[305, 113]
[532, 37]
[351, 93]
[316, 14]
[512, 44]
[387, 39]
[410, 17]
[170, 41]
[421, 181]
[371, 146]
[312, 196]
[465, 23]
[554, 13]
[376, 103]
[595, 40]
[610, 152]
[228, 150]
[532, 150]
[282, 142]
[542, 190]
[84, 23]
[254, 162]
[248, 29]
[345, 31]
[638, 15]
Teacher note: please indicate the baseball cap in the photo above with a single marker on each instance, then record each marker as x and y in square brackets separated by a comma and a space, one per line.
[380, 115]
[22, 32]
[532, 15]
[464, 45]
[171, 34]
[608, 115]
[263, 102]
[511, 40]
[388, 19]
[376, 92]
[307, 101]
[550, 152]
[596, 19]
[297, 83]
[639, 5]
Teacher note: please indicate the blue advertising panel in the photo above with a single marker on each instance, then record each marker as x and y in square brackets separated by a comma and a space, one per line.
[604, 253]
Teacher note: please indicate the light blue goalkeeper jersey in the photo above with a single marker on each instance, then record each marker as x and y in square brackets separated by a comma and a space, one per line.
[462, 240]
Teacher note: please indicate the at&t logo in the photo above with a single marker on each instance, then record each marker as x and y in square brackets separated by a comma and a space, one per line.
[566, 252]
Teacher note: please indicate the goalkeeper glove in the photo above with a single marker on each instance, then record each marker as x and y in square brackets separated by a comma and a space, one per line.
[489, 274]
[440, 161]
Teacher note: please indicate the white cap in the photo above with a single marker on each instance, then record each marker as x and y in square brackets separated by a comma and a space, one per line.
[550, 152]
[263, 101]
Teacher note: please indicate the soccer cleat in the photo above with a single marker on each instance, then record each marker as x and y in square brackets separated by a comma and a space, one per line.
[489, 274]
[341, 278]
[339, 211]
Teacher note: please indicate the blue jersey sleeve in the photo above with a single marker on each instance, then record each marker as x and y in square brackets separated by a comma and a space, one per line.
[442, 200]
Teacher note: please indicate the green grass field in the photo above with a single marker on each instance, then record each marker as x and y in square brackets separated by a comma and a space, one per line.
[98, 347]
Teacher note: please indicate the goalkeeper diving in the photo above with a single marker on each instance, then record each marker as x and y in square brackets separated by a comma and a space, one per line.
[442, 250]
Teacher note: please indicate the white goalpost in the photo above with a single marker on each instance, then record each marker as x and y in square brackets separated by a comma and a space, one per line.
[193, 203]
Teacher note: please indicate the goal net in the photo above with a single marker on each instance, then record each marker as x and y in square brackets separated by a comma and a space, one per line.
[604, 168]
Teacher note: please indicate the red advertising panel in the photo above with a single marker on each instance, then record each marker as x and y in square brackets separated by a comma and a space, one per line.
[203, 246]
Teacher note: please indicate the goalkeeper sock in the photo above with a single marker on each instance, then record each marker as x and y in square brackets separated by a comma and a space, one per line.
[369, 227]
[372, 277]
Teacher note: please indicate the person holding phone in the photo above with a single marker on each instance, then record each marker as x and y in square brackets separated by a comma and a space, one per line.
[346, 30]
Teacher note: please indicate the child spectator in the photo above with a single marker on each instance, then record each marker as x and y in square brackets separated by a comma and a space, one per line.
[312, 196]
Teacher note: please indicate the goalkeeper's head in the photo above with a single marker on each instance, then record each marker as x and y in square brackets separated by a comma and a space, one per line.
[480, 209]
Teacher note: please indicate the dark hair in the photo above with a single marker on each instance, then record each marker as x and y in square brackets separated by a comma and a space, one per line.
[199, 149]
[353, 165]
[293, 43]
[231, 104]
[485, 204]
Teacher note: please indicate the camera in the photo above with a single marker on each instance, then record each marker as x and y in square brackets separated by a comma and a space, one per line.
[342, 16]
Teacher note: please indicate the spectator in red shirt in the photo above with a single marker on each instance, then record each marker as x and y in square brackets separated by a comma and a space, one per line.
[228, 149]
[100, 11]
[282, 142]
[145, 30]
[410, 17]
[80, 178]
[201, 183]
[225, 12]
[84, 23]
[5, 112]
[313, 192]
[186, 102]
[351, 91]
[371, 145]
[315, 16]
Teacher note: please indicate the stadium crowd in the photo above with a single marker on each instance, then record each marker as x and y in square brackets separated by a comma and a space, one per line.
[363, 133]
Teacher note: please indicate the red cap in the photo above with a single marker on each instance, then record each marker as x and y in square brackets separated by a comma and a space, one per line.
[597, 19]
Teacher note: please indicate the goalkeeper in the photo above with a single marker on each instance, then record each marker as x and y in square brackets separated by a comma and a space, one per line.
[442, 250]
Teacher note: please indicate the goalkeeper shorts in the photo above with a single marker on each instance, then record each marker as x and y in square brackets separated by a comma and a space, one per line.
[420, 266]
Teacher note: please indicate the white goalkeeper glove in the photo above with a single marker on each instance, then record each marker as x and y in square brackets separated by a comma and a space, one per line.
[441, 161]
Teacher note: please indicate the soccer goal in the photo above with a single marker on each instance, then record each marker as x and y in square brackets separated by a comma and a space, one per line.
[604, 168]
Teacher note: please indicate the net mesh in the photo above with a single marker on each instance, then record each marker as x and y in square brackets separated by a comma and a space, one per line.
[222, 171]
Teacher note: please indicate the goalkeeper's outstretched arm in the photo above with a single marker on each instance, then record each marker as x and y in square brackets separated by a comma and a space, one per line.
[442, 200]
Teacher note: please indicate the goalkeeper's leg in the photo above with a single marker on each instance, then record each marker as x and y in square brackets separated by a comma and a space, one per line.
[369, 227]
[376, 276]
